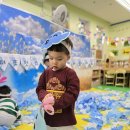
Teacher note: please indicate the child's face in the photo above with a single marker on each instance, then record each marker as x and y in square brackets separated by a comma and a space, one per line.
[57, 60]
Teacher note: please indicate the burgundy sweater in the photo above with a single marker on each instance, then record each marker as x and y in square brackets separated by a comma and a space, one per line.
[64, 85]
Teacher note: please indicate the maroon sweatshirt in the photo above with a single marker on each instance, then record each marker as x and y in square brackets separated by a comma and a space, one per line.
[64, 85]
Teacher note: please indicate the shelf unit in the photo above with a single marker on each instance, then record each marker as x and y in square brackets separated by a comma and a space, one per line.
[97, 54]
[96, 77]
[119, 63]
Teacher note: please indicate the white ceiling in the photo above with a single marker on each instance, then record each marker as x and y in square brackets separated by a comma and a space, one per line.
[109, 10]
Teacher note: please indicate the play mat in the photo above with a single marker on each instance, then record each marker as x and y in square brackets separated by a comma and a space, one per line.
[102, 108]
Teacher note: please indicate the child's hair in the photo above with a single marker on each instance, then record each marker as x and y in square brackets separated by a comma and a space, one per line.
[5, 91]
[61, 47]
[46, 58]
[107, 60]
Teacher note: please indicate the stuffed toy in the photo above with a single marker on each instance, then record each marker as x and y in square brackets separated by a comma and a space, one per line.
[47, 104]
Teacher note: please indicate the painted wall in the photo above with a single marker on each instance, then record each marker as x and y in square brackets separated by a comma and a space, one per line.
[121, 31]
[45, 10]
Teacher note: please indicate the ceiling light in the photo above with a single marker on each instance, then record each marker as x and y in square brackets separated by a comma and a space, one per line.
[124, 3]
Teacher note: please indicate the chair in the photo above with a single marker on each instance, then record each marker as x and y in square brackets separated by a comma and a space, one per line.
[110, 77]
[120, 77]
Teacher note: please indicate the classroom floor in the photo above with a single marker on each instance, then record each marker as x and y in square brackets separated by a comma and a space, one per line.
[107, 108]
[101, 108]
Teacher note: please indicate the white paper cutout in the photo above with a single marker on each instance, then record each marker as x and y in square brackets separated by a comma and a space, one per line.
[4, 60]
[25, 61]
[14, 61]
[35, 60]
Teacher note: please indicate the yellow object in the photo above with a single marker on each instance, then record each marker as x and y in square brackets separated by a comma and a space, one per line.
[126, 127]
[126, 51]
[80, 122]
[104, 113]
[121, 109]
[24, 127]
[106, 127]
[96, 90]
[25, 112]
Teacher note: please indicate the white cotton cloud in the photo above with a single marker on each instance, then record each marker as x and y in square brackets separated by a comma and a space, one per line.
[16, 95]
[36, 78]
[33, 49]
[77, 42]
[29, 93]
[27, 26]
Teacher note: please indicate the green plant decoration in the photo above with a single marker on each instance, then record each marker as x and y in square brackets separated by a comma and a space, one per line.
[126, 43]
[115, 52]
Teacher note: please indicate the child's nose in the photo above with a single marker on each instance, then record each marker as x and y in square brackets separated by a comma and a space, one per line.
[54, 62]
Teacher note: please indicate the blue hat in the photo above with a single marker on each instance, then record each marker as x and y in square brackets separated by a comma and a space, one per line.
[57, 38]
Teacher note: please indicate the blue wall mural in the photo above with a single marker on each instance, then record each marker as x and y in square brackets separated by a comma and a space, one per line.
[22, 35]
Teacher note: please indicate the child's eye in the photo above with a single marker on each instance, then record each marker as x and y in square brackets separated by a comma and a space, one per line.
[50, 58]
[59, 59]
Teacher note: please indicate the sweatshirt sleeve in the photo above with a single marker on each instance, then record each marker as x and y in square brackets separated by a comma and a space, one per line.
[71, 93]
[18, 111]
[41, 88]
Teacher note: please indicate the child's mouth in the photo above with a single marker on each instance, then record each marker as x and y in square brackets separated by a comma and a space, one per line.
[54, 68]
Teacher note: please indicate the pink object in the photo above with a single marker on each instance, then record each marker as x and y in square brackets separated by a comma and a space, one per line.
[47, 105]
[49, 109]
[2, 78]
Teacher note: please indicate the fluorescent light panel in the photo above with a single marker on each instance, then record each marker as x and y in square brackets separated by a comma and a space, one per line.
[125, 4]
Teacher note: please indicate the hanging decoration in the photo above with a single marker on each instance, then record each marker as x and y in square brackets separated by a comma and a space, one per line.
[36, 61]
[77, 62]
[84, 28]
[14, 61]
[127, 41]
[25, 61]
[100, 37]
[116, 41]
[4, 60]
[122, 40]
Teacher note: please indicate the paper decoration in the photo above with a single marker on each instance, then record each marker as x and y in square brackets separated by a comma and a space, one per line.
[2, 78]
[35, 61]
[25, 61]
[29, 61]
[40, 57]
[14, 61]
[82, 62]
[86, 62]
[4, 60]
